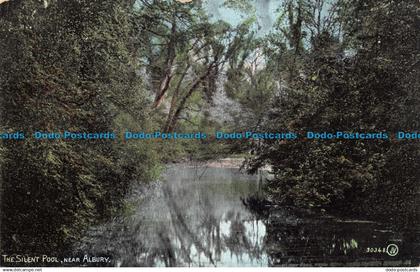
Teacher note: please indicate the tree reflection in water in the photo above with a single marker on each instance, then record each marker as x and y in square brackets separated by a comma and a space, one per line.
[198, 218]
[195, 218]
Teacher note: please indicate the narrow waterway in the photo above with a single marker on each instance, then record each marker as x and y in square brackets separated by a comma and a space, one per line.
[203, 216]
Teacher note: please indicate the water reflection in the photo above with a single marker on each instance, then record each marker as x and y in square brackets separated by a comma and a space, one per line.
[198, 218]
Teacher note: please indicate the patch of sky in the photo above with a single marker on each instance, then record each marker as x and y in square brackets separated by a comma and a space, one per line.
[265, 12]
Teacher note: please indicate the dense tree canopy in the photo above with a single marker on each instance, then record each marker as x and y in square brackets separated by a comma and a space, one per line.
[69, 65]
[361, 78]
[148, 65]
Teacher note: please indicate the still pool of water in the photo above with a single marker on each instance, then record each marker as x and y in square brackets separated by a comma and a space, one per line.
[196, 216]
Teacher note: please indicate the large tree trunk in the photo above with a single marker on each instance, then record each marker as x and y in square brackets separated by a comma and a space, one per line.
[170, 58]
[172, 120]
[175, 98]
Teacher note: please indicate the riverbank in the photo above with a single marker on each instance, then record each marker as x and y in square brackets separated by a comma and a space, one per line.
[234, 163]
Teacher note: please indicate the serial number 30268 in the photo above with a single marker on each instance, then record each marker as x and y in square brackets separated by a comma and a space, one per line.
[375, 250]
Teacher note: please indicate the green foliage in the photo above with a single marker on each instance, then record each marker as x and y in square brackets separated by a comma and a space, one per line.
[97, 66]
[362, 83]
[68, 66]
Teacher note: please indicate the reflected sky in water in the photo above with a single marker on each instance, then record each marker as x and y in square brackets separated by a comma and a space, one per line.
[196, 217]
